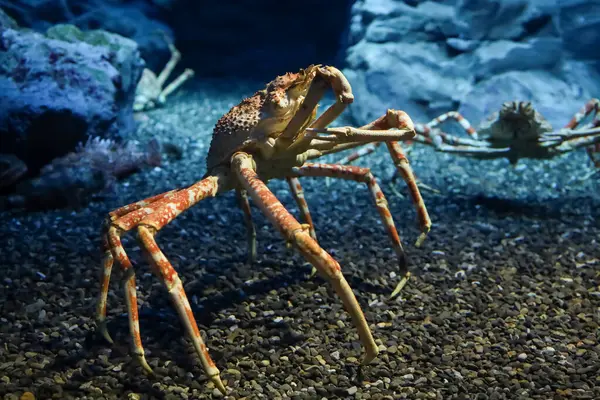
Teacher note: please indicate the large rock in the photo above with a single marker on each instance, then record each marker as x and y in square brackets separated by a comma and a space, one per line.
[431, 57]
[138, 20]
[59, 89]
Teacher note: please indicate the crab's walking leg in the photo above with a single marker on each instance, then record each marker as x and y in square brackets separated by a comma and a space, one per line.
[364, 175]
[592, 106]
[171, 64]
[462, 121]
[403, 168]
[147, 229]
[366, 150]
[398, 119]
[298, 195]
[405, 171]
[149, 219]
[242, 196]
[173, 86]
[294, 233]
[326, 77]
[108, 261]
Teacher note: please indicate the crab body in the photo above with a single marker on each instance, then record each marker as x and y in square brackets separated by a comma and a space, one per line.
[255, 126]
[269, 135]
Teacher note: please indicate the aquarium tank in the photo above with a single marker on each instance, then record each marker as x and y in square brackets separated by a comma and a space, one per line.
[344, 199]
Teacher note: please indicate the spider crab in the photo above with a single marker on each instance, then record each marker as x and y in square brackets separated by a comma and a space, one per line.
[516, 131]
[150, 93]
[269, 135]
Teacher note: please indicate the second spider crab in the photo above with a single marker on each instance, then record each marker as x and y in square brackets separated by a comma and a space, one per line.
[269, 135]
[150, 91]
[516, 131]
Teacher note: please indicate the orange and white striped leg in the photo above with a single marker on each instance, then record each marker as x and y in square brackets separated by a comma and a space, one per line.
[250, 228]
[390, 121]
[149, 219]
[296, 234]
[405, 171]
[363, 151]
[109, 248]
[592, 106]
[358, 174]
[147, 229]
[298, 195]
[462, 121]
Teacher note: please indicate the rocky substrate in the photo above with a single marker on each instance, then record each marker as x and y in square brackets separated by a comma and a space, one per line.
[504, 304]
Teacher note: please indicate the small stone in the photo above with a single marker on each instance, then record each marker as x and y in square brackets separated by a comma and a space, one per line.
[522, 357]
[548, 351]
[352, 391]
[27, 396]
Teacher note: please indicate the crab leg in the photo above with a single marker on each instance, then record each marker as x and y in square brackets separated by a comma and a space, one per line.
[108, 261]
[295, 234]
[344, 138]
[358, 174]
[399, 119]
[326, 77]
[592, 106]
[366, 150]
[462, 121]
[149, 220]
[298, 194]
[391, 120]
[168, 69]
[173, 86]
[404, 169]
[425, 133]
[242, 196]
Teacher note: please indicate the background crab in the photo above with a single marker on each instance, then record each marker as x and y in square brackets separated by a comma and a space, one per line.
[150, 93]
[269, 135]
[516, 131]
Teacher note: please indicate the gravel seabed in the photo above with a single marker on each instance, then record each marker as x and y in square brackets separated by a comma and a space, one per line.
[505, 303]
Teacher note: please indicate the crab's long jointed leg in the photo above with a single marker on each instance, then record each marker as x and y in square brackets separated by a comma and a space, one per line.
[171, 64]
[295, 234]
[242, 196]
[326, 77]
[173, 86]
[149, 220]
[364, 175]
[298, 195]
[592, 106]
[462, 121]
[109, 257]
[404, 169]
[363, 151]
[428, 131]
[386, 123]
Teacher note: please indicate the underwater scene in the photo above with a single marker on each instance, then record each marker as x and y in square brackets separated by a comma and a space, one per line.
[343, 199]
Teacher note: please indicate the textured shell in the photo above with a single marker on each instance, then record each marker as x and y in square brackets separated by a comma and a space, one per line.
[233, 130]
[259, 117]
[516, 120]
